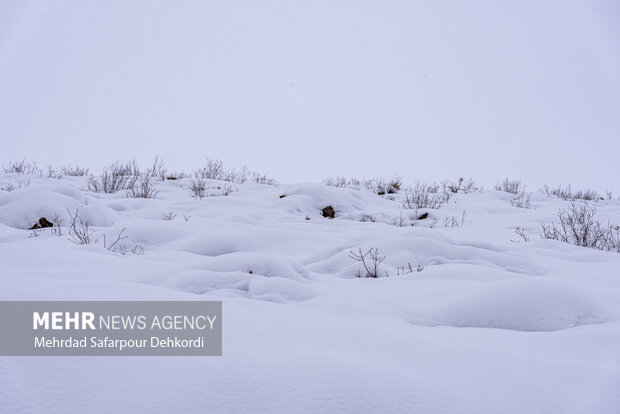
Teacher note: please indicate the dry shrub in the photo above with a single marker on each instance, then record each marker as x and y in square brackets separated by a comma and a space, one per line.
[578, 226]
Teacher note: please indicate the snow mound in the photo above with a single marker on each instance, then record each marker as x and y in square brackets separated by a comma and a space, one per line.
[271, 289]
[422, 247]
[518, 305]
[262, 264]
[217, 241]
[312, 198]
[22, 208]
[265, 276]
[277, 289]
[200, 281]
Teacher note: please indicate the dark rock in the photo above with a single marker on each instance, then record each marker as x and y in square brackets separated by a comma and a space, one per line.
[329, 212]
[43, 223]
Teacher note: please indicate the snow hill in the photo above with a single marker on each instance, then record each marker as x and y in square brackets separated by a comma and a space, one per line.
[490, 323]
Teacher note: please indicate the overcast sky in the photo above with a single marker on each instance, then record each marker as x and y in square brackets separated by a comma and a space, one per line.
[305, 89]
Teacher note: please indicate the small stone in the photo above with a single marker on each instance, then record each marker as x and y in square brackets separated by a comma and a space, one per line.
[329, 212]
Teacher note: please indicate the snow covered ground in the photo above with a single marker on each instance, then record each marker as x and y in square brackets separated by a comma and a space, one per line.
[490, 324]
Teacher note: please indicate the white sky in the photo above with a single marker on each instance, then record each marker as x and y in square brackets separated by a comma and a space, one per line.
[303, 90]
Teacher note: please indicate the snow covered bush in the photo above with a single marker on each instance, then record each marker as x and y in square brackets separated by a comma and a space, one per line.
[379, 186]
[73, 171]
[21, 167]
[79, 231]
[215, 170]
[521, 232]
[422, 195]
[118, 176]
[114, 245]
[462, 186]
[522, 199]
[565, 193]
[54, 173]
[143, 187]
[199, 189]
[577, 226]
[454, 221]
[510, 186]
[370, 261]
[58, 221]
[383, 186]
[261, 178]
[169, 216]
[115, 177]
[19, 183]
[402, 270]
[400, 221]
[338, 181]
[157, 169]
[388, 186]
[58, 173]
